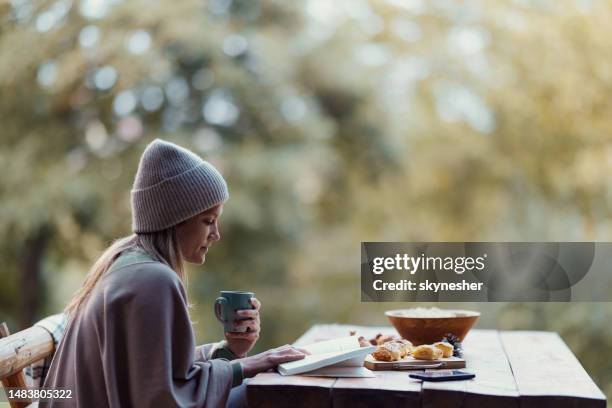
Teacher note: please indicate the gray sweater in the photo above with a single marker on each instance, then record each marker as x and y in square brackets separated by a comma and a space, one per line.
[132, 344]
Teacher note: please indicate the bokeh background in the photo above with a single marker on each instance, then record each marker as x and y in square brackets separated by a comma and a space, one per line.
[334, 122]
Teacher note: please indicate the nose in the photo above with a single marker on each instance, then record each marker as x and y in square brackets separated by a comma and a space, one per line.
[215, 234]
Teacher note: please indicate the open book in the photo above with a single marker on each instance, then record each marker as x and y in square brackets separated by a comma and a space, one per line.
[341, 357]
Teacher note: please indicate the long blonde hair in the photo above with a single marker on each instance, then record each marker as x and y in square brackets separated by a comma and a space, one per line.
[161, 246]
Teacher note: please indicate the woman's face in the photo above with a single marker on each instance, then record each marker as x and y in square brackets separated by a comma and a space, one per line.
[197, 234]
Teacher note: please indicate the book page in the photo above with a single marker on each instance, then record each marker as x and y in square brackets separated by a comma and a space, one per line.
[310, 361]
[316, 361]
[352, 362]
[334, 345]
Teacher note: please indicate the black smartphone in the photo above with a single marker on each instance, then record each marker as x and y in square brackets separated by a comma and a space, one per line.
[443, 375]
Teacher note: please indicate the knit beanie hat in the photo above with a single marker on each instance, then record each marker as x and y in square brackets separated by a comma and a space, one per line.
[171, 185]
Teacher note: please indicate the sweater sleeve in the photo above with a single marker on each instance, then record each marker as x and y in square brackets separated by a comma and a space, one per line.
[150, 347]
[220, 349]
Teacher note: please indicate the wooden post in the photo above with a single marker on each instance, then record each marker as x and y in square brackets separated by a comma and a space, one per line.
[15, 380]
[21, 349]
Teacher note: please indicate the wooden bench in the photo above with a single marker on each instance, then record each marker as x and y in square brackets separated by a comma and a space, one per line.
[18, 351]
[514, 369]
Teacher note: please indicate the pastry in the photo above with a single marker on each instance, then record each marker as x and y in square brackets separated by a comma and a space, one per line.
[427, 352]
[447, 348]
[382, 354]
[362, 340]
[382, 339]
[405, 347]
[388, 352]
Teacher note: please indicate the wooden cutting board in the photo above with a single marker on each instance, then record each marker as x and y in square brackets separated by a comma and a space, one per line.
[410, 363]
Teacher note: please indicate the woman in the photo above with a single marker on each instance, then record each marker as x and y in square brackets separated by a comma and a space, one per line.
[129, 341]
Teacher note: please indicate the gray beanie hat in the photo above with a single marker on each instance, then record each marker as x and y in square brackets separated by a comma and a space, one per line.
[173, 184]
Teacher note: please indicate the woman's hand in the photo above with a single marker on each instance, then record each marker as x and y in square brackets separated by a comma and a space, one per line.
[241, 343]
[270, 359]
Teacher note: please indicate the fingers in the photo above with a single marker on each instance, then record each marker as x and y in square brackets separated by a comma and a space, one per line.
[298, 350]
[290, 352]
[246, 328]
[249, 325]
[256, 303]
[278, 358]
[248, 318]
[284, 354]
[290, 347]
[248, 313]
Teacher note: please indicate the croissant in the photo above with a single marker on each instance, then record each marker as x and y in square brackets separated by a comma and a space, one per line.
[427, 352]
[388, 352]
[447, 348]
[405, 346]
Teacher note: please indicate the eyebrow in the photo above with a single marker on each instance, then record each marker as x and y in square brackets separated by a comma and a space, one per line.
[214, 213]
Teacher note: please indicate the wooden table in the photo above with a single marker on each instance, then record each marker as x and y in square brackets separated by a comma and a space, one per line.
[513, 369]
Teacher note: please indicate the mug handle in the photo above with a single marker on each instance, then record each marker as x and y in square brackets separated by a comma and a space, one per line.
[219, 309]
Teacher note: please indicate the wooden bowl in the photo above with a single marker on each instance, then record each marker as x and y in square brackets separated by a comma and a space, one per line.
[428, 330]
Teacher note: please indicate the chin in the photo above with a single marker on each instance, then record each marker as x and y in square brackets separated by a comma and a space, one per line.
[196, 260]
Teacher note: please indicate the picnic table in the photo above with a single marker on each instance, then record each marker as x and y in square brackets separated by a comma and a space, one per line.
[513, 369]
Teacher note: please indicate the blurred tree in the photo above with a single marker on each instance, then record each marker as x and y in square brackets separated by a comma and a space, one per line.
[81, 86]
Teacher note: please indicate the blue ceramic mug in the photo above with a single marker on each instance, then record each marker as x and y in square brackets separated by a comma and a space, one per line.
[228, 304]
